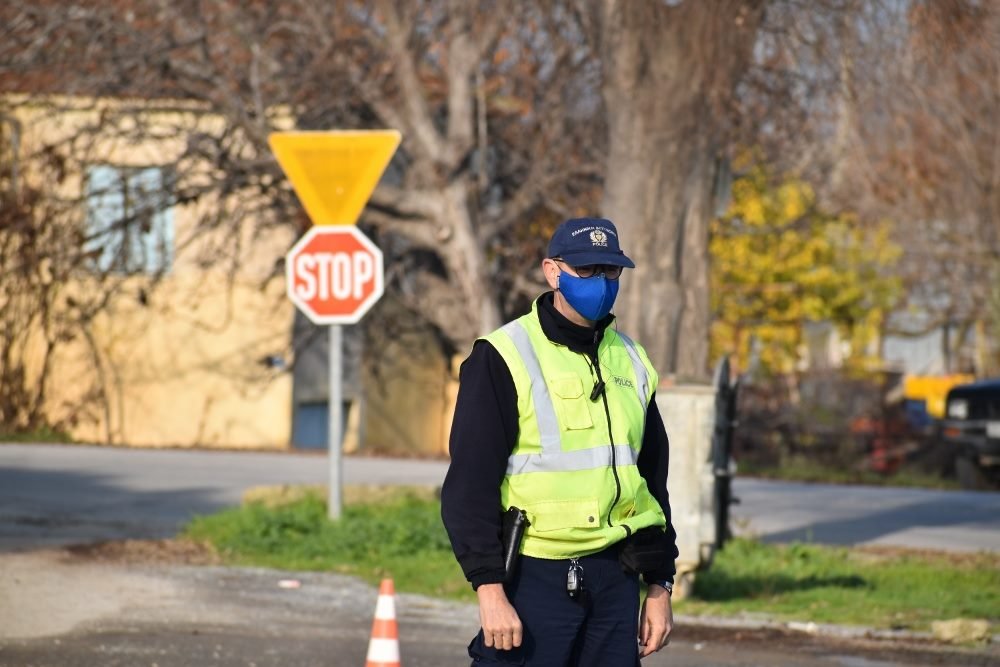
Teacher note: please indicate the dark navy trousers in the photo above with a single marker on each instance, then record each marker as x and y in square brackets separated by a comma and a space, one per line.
[600, 629]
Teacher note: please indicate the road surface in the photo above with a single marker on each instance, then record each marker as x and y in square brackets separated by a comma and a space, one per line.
[61, 494]
[61, 610]
[69, 608]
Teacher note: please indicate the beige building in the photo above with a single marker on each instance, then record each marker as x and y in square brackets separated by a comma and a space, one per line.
[197, 344]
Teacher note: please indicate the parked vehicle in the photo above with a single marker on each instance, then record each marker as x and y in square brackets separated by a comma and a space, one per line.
[971, 425]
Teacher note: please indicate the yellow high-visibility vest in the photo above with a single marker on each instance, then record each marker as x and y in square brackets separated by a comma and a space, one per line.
[561, 469]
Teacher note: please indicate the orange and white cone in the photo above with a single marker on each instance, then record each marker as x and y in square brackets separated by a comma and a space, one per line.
[383, 648]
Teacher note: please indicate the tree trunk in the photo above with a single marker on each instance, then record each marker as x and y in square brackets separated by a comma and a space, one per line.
[669, 79]
[467, 263]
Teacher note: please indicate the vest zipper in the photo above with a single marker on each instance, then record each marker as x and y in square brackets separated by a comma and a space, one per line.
[596, 367]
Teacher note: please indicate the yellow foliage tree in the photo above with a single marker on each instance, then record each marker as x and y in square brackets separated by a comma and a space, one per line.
[779, 262]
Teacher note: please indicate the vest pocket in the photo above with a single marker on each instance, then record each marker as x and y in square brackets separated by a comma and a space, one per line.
[561, 514]
[567, 393]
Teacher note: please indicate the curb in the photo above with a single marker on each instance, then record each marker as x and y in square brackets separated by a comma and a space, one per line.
[834, 631]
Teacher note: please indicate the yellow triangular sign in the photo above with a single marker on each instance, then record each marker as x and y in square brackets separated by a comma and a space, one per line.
[334, 172]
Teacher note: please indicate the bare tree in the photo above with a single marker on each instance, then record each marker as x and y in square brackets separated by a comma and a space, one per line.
[923, 148]
[483, 96]
[491, 102]
[43, 252]
[512, 116]
[671, 75]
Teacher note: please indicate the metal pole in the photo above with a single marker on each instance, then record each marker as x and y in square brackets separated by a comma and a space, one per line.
[334, 437]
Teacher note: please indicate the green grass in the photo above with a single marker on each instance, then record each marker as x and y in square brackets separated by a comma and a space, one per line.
[399, 534]
[42, 434]
[879, 587]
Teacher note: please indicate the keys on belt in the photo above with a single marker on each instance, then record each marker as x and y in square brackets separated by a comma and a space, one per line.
[574, 579]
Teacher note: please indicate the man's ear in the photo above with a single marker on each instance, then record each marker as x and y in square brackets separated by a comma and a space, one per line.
[551, 271]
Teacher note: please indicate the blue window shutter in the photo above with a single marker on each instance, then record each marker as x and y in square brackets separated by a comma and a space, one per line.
[105, 212]
[130, 219]
[152, 239]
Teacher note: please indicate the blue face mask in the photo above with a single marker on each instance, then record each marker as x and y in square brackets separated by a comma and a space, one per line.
[591, 297]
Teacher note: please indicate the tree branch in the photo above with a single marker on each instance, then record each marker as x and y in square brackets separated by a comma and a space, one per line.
[419, 232]
[407, 203]
[418, 117]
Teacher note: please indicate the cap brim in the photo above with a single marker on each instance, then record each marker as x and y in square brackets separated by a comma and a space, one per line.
[587, 258]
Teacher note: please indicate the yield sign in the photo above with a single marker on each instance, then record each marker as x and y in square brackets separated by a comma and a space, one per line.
[334, 172]
[334, 274]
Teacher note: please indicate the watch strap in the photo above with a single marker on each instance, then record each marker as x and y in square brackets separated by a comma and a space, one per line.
[669, 585]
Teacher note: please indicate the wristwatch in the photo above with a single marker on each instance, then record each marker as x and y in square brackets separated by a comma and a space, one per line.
[669, 585]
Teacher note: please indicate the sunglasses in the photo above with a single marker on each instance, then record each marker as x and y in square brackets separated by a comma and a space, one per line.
[609, 271]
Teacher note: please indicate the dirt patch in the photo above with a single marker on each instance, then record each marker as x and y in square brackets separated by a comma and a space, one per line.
[912, 651]
[353, 494]
[879, 554]
[146, 552]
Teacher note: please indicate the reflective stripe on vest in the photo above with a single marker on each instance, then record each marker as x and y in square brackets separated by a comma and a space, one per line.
[545, 412]
[580, 459]
[553, 458]
[642, 386]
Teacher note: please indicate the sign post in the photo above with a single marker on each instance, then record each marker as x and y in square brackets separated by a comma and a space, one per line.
[334, 273]
[335, 424]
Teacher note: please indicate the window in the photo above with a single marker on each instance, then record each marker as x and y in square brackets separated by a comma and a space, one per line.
[130, 221]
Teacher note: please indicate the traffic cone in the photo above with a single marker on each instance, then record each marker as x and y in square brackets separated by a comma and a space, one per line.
[383, 649]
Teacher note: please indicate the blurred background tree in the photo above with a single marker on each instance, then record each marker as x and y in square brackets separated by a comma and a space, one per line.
[42, 250]
[517, 115]
[671, 77]
[483, 96]
[918, 142]
[511, 117]
[780, 262]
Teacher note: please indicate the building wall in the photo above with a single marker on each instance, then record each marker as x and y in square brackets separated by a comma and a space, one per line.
[186, 359]
[188, 369]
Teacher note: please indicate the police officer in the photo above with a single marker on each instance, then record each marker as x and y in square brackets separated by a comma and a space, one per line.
[556, 416]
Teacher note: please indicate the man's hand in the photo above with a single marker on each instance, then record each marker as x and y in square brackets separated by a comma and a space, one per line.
[501, 624]
[656, 620]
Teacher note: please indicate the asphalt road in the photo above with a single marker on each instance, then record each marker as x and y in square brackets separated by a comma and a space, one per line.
[865, 515]
[60, 494]
[141, 615]
[61, 609]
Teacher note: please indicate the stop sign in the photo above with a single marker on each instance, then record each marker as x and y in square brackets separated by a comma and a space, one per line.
[334, 274]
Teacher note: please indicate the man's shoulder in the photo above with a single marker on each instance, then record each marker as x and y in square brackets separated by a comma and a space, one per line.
[482, 348]
[485, 366]
[507, 330]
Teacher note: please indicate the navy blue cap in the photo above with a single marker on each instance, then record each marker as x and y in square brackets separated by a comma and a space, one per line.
[583, 241]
